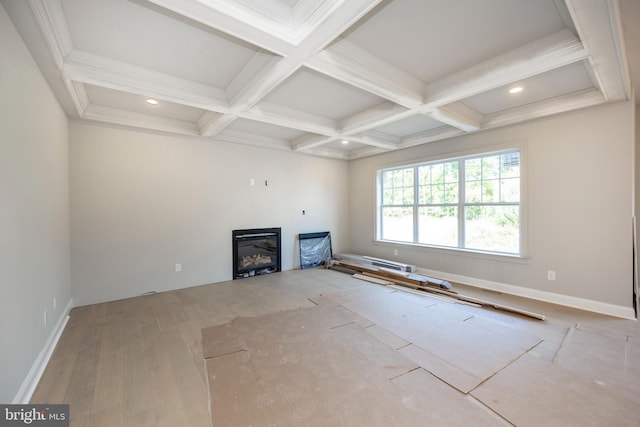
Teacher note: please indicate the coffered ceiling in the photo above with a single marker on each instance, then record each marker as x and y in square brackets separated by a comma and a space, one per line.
[309, 75]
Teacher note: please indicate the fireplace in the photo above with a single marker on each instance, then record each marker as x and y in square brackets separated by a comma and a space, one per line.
[256, 251]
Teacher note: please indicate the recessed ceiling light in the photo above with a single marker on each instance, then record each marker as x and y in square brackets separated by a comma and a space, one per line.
[515, 89]
[344, 141]
[152, 101]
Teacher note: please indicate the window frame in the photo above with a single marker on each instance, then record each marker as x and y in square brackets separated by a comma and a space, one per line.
[460, 157]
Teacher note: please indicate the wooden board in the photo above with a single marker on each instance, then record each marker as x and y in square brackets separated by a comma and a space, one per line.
[372, 279]
[411, 278]
[466, 298]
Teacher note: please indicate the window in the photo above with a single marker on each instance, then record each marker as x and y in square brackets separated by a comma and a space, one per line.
[470, 202]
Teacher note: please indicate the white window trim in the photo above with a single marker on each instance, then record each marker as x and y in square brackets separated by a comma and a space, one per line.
[487, 150]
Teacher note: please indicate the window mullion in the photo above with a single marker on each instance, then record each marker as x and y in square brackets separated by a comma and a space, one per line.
[461, 204]
[416, 182]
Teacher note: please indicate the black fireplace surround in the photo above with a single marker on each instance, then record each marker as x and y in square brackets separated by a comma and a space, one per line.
[256, 251]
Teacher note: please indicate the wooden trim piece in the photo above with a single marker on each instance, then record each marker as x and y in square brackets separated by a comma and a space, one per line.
[373, 279]
[473, 300]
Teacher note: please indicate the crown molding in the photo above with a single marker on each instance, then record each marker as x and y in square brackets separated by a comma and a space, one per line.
[365, 152]
[328, 152]
[50, 17]
[93, 69]
[138, 120]
[561, 104]
[238, 137]
[78, 95]
[598, 25]
[545, 54]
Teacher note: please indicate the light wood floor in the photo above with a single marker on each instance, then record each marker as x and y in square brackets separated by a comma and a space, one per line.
[138, 362]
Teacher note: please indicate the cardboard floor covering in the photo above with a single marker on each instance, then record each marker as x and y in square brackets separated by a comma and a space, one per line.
[532, 392]
[616, 362]
[455, 346]
[319, 366]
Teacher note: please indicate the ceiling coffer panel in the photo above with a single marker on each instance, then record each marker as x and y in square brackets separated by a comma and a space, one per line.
[333, 78]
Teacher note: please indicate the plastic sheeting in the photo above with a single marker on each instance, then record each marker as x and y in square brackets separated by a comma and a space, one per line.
[315, 249]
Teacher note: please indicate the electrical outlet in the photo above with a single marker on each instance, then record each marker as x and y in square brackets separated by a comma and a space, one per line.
[178, 267]
[551, 275]
[395, 252]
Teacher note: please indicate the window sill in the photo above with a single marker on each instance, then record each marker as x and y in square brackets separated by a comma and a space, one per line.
[442, 250]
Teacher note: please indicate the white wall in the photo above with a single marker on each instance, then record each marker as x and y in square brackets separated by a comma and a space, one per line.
[142, 202]
[579, 184]
[34, 212]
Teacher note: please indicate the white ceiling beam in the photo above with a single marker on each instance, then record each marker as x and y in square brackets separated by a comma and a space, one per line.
[545, 54]
[236, 22]
[332, 153]
[598, 25]
[217, 124]
[207, 120]
[259, 84]
[260, 61]
[375, 139]
[346, 62]
[50, 17]
[430, 135]
[96, 70]
[311, 141]
[267, 112]
[118, 116]
[561, 104]
[271, 12]
[458, 115]
[365, 152]
[309, 14]
[377, 116]
[269, 24]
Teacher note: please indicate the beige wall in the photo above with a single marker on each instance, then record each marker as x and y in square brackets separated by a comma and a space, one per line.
[34, 212]
[579, 208]
[636, 135]
[142, 202]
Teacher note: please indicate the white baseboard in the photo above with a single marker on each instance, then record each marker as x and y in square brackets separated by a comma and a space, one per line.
[565, 300]
[23, 396]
